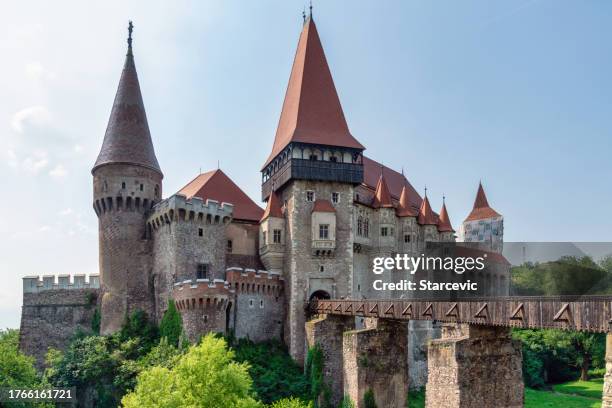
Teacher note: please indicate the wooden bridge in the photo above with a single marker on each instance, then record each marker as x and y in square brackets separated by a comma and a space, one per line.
[584, 313]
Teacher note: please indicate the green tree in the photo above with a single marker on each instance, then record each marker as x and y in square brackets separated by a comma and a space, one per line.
[206, 376]
[95, 321]
[16, 369]
[171, 325]
[293, 403]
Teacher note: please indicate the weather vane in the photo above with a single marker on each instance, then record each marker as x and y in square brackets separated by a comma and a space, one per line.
[130, 29]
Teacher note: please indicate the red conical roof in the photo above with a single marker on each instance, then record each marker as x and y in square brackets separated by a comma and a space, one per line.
[481, 208]
[273, 208]
[311, 111]
[382, 197]
[444, 224]
[216, 185]
[127, 139]
[426, 214]
[404, 208]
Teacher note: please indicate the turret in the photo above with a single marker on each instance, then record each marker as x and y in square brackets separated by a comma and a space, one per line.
[127, 181]
[484, 224]
[272, 235]
[429, 222]
[408, 223]
[386, 215]
[445, 228]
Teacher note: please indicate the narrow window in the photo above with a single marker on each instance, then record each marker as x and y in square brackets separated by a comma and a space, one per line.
[123, 185]
[407, 238]
[251, 303]
[321, 268]
[261, 304]
[200, 232]
[310, 196]
[230, 245]
[335, 198]
[202, 272]
[324, 231]
[277, 236]
[366, 228]
[360, 226]
[384, 231]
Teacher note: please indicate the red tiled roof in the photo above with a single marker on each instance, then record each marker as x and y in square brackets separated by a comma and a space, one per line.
[382, 197]
[396, 181]
[444, 224]
[216, 185]
[404, 209]
[273, 208]
[481, 208]
[426, 214]
[323, 206]
[492, 257]
[311, 111]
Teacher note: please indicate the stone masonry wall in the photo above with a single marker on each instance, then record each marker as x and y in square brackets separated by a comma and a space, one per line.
[49, 318]
[304, 272]
[474, 367]
[374, 360]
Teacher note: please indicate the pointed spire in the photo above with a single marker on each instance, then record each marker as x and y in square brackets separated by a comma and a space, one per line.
[405, 209]
[382, 197]
[273, 208]
[426, 214]
[127, 139]
[481, 209]
[444, 224]
[312, 112]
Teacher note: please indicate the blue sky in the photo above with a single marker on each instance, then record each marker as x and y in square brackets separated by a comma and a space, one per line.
[514, 93]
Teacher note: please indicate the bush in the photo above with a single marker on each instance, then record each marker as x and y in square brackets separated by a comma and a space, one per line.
[291, 403]
[275, 374]
[368, 399]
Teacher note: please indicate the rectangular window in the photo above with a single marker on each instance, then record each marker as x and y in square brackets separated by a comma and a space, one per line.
[230, 245]
[407, 238]
[200, 232]
[310, 196]
[333, 159]
[277, 236]
[202, 271]
[324, 231]
[384, 231]
[335, 198]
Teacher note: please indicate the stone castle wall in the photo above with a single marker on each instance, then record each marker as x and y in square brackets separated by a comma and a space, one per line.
[53, 311]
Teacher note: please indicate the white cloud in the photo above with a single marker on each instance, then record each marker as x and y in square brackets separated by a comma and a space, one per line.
[44, 228]
[66, 211]
[58, 172]
[33, 115]
[11, 158]
[36, 71]
[36, 162]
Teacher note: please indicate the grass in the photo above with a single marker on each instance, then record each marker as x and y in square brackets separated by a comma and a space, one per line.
[574, 394]
[546, 399]
[591, 388]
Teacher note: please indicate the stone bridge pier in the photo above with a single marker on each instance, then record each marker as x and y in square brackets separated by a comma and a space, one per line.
[357, 361]
[473, 366]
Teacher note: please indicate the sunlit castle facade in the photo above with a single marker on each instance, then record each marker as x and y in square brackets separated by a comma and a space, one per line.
[230, 265]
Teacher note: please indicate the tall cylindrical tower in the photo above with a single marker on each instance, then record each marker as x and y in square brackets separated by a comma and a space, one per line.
[127, 181]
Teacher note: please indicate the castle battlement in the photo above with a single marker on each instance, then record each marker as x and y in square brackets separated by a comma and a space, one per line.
[202, 293]
[36, 284]
[253, 281]
[179, 208]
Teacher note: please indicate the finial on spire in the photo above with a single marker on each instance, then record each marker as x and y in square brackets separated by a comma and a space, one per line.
[129, 40]
[304, 14]
[310, 8]
[443, 199]
[426, 190]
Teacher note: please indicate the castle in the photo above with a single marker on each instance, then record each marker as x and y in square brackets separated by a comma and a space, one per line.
[229, 265]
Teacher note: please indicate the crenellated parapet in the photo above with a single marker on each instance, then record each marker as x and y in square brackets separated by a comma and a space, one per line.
[179, 208]
[251, 281]
[36, 284]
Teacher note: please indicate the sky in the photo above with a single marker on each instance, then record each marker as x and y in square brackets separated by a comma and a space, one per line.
[516, 94]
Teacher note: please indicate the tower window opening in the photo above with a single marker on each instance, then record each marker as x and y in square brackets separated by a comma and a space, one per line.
[200, 232]
[202, 271]
[142, 187]
[277, 236]
[335, 197]
[384, 231]
[123, 185]
[261, 304]
[324, 231]
[360, 226]
[310, 196]
[230, 245]
[407, 238]
[251, 304]
[321, 268]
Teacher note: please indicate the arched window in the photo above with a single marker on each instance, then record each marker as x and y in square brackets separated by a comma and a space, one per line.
[366, 227]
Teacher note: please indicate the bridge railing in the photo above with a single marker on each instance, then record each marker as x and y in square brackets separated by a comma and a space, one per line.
[584, 313]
